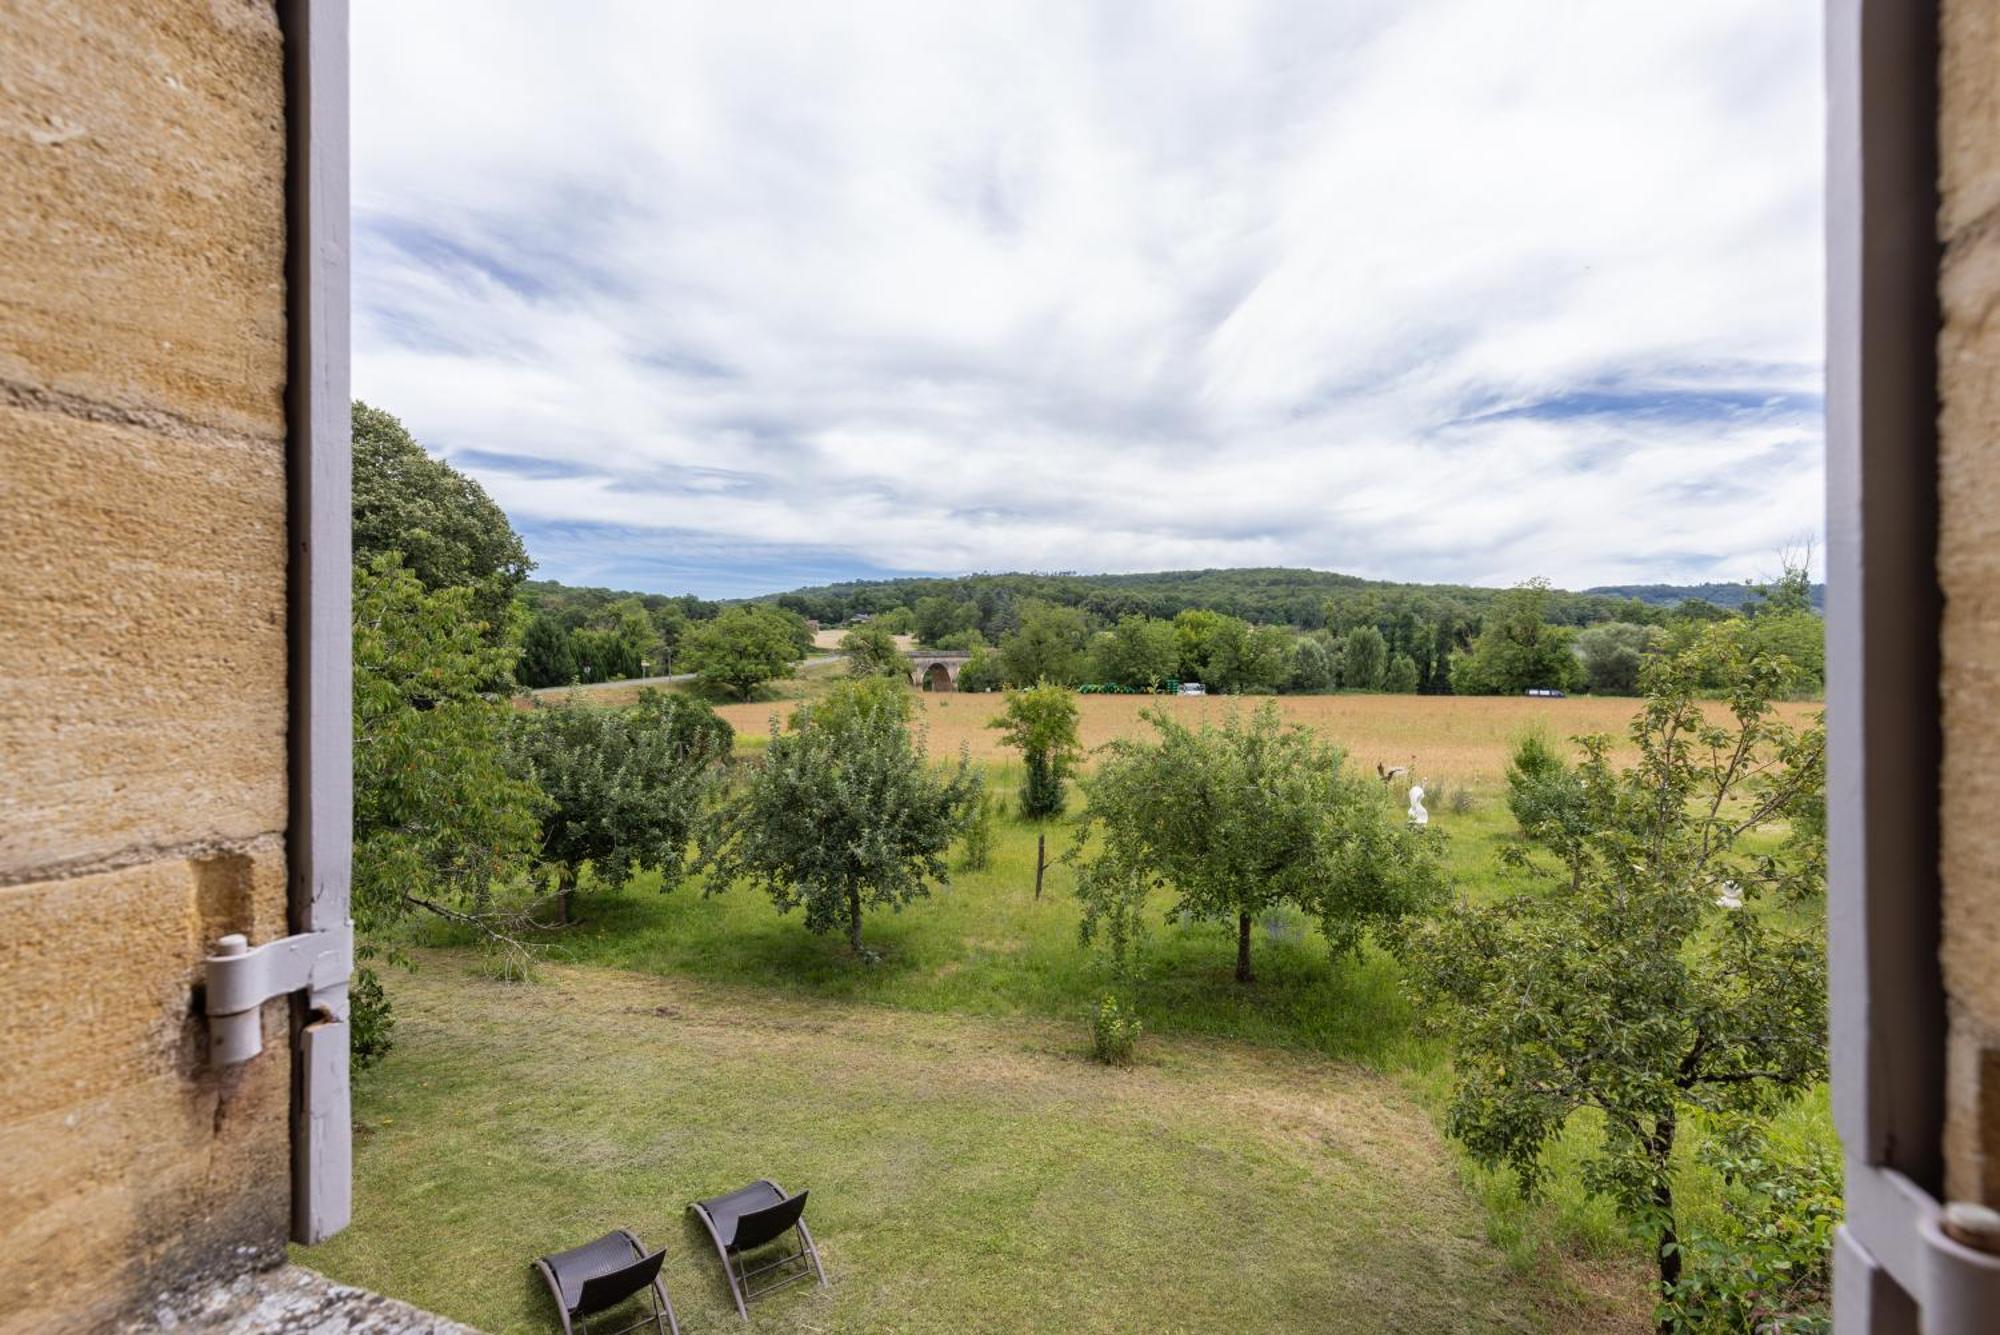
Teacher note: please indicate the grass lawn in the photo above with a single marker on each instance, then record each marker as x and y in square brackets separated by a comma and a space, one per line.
[1273, 1163]
[968, 1173]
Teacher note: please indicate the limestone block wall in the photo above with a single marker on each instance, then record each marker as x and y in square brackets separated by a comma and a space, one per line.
[142, 643]
[1969, 568]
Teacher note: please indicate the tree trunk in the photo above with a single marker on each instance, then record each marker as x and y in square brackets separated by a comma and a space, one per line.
[1243, 948]
[1041, 861]
[854, 919]
[1660, 1148]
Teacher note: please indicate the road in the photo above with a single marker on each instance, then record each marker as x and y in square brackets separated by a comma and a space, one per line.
[677, 679]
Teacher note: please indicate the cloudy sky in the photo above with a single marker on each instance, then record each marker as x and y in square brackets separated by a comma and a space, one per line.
[734, 297]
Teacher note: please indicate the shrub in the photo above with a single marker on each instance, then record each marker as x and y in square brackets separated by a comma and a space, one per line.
[1114, 1032]
[976, 846]
[370, 1022]
[1765, 1268]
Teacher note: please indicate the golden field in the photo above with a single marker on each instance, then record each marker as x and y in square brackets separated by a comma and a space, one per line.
[1461, 738]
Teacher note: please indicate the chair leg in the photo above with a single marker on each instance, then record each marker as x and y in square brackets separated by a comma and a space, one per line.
[664, 1306]
[555, 1292]
[805, 1235]
[728, 1270]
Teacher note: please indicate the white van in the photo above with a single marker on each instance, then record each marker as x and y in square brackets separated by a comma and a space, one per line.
[1193, 688]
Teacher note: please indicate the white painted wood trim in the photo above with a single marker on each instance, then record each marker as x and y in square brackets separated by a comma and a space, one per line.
[321, 830]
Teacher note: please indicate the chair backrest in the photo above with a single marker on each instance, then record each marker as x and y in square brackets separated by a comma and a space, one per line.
[760, 1226]
[614, 1287]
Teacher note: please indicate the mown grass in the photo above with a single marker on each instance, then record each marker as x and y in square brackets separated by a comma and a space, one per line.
[968, 1173]
[983, 955]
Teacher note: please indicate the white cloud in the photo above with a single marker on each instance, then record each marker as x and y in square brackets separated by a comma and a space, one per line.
[1434, 290]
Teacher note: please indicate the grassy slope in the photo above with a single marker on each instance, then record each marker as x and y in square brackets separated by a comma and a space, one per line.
[968, 1174]
[983, 947]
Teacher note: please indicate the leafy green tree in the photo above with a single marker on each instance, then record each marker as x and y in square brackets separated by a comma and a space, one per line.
[741, 649]
[843, 813]
[1651, 978]
[547, 657]
[1313, 668]
[1366, 659]
[1048, 646]
[603, 655]
[447, 530]
[871, 652]
[1139, 653]
[963, 641]
[439, 814]
[626, 787]
[1401, 676]
[938, 618]
[1265, 660]
[1613, 654]
[638, 635]
[898, 621]
[1238, 819]
[1041, 724]
[1211, 645]
[1518, 649]
[983, 671]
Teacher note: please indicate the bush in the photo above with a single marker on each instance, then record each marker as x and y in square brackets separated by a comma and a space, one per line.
[1765, 1268]
[370, 1022]
[1114, 1032]
[976, 848]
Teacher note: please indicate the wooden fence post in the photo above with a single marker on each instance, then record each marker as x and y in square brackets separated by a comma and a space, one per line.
[1041, 861]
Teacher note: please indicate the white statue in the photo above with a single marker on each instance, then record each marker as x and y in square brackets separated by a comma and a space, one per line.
[1418, 816]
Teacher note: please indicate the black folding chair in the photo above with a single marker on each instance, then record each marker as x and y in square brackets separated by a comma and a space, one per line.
[752, 1217]
[599, 1275]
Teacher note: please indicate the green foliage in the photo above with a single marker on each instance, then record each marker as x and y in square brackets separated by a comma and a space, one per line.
[983, 671]
[1629, 986]
[1614, 654]
[1518, 649]
[603, 655]
[1313, 667]
[547, 657]
[1797, 637]
[1041, 724]
[842, 813]
[1364, 659]
[939, 619]
[898, 621]
[841, 709]
[1047, 647]
[1766, 1267]
[1547, 798]
[1138, 653]
[625, 787]
[975, 850]
[741, 649]
[371, 1022]
[1114, 1033]
[1401, 676]
[447, 530]
[439, 814]
[871, 652]
[962, 640]
[1237, 820]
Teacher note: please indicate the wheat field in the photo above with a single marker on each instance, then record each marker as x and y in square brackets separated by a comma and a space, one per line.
[1462, 738]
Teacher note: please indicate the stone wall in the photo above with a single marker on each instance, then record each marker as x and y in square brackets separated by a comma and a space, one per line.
[142, 643]
[1969, 567]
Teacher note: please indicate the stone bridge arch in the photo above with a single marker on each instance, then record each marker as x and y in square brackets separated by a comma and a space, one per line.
[936, 672]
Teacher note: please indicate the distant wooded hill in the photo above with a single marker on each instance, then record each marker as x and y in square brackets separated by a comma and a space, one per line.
[1731, 596]
[1270, 596]
[1267, 596]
